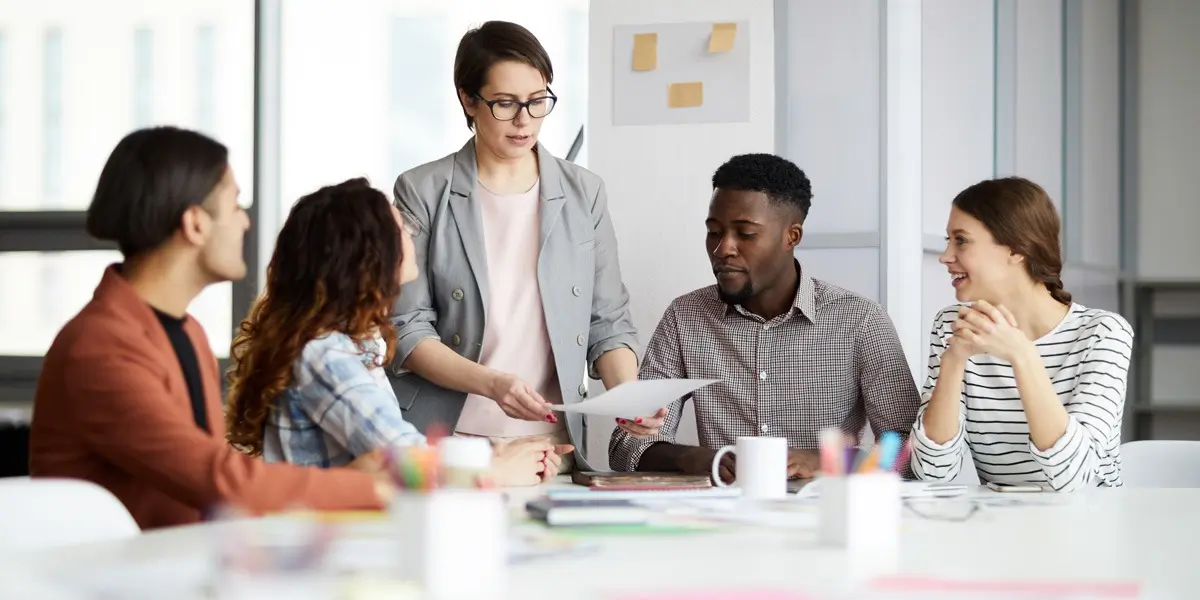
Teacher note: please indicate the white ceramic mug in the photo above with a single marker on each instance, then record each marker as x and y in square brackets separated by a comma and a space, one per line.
[761, 466]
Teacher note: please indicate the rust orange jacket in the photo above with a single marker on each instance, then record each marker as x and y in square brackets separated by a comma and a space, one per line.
[112, 407]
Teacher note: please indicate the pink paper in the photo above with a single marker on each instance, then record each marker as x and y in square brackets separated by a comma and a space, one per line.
[729, 595]
[1094, 589]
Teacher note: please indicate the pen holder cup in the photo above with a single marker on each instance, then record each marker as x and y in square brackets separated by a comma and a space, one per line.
[453, 543]
[861, 513]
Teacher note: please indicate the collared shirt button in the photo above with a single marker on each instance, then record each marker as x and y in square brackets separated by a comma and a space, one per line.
[764, 428]
[580, 339]
[456, 340]
[583, 389]
[762, 375]
[766, 326]
[457, 295]
[578, 291]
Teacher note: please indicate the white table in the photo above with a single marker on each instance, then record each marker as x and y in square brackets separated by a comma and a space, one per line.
[1151, 536]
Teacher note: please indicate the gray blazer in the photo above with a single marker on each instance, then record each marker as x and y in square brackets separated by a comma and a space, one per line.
[586, 303]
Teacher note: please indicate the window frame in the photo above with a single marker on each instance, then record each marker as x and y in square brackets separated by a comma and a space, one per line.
[65, 231]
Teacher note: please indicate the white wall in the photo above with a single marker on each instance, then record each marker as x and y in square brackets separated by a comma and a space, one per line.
[1092, 143]
[1100, 137]
[1037, 126]
[1168, 123]
[830, 121]
[994, 104]
[1167, 129]
[659, 177]
[957, 127]
[957, 103]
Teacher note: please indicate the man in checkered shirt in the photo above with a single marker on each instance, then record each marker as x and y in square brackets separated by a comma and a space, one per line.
[793, 354]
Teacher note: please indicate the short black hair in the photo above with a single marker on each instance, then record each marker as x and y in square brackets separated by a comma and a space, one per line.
[777, 177]
[150, 179]
[490, 43]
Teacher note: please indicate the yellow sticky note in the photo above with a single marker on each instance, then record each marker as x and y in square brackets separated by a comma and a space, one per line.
[645, 51]
[685, 95]
[722, 36]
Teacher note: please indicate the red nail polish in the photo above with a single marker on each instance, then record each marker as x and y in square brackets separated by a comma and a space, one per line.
[639, 420]
[552, 418]
[621, 421]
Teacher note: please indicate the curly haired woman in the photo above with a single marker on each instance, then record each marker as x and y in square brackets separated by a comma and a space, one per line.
[308, 385]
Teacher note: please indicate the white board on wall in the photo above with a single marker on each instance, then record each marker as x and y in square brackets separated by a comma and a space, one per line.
[641, 97]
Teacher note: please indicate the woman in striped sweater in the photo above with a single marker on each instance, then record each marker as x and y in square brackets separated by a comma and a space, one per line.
[1031, 382]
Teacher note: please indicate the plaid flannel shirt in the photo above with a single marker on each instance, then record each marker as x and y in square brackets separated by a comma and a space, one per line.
[339, 406]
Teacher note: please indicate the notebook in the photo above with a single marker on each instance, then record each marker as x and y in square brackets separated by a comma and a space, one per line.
[615, 481]
[566, 513]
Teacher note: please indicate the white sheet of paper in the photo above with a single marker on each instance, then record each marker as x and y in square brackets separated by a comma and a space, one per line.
[636, 398]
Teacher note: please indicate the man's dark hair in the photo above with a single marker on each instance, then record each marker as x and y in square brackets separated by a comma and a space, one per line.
[150, 179]
[779, 178]
[490, 43]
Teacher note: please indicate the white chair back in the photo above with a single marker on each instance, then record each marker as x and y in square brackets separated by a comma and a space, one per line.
[1161, 464]
[47, 513]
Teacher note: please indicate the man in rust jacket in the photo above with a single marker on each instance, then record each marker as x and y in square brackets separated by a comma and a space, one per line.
[130, 395]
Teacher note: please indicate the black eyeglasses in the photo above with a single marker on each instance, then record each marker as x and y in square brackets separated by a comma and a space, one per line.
[507, 109]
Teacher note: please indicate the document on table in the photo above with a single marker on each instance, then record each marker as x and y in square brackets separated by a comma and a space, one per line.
[636, 398]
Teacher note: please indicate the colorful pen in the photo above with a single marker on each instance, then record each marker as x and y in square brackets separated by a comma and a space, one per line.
[889, 449]
[831, 451]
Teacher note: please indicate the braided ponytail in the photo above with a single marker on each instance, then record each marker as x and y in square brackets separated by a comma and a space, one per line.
[1055, 285]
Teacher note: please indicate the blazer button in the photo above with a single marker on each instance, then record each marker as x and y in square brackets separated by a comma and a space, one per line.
[583, 389]
[457, 294]
[579, 339]
[578, 291]
[456, 340]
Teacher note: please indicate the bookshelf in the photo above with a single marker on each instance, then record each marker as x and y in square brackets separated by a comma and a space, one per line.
[1156, 329]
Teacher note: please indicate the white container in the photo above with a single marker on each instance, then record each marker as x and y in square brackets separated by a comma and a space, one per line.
[453, 543]
[464, 460]
[861, 513]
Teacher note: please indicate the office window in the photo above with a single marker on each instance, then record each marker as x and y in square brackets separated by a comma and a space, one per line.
[52, 115]
[90, 78]
[368, 89]
[32, 317]
[206, 79]
[575, 103]
[143, 77]
[417, 107]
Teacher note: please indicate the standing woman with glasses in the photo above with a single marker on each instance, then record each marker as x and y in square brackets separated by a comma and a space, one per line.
[520, 284]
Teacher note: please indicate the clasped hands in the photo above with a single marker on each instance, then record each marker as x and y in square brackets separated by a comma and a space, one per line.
[985, 328]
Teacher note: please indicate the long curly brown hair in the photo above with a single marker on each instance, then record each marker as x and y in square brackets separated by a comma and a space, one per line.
[335, 268]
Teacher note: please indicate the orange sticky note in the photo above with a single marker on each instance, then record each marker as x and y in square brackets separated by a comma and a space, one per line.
[685, 95]
[722, 36]
[645, 51]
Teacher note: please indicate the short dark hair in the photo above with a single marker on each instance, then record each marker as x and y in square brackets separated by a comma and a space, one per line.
[149, 180]
[490, 43]
[777, 177]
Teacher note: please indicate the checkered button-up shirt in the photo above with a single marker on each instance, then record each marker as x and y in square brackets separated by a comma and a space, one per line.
[833, 360]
